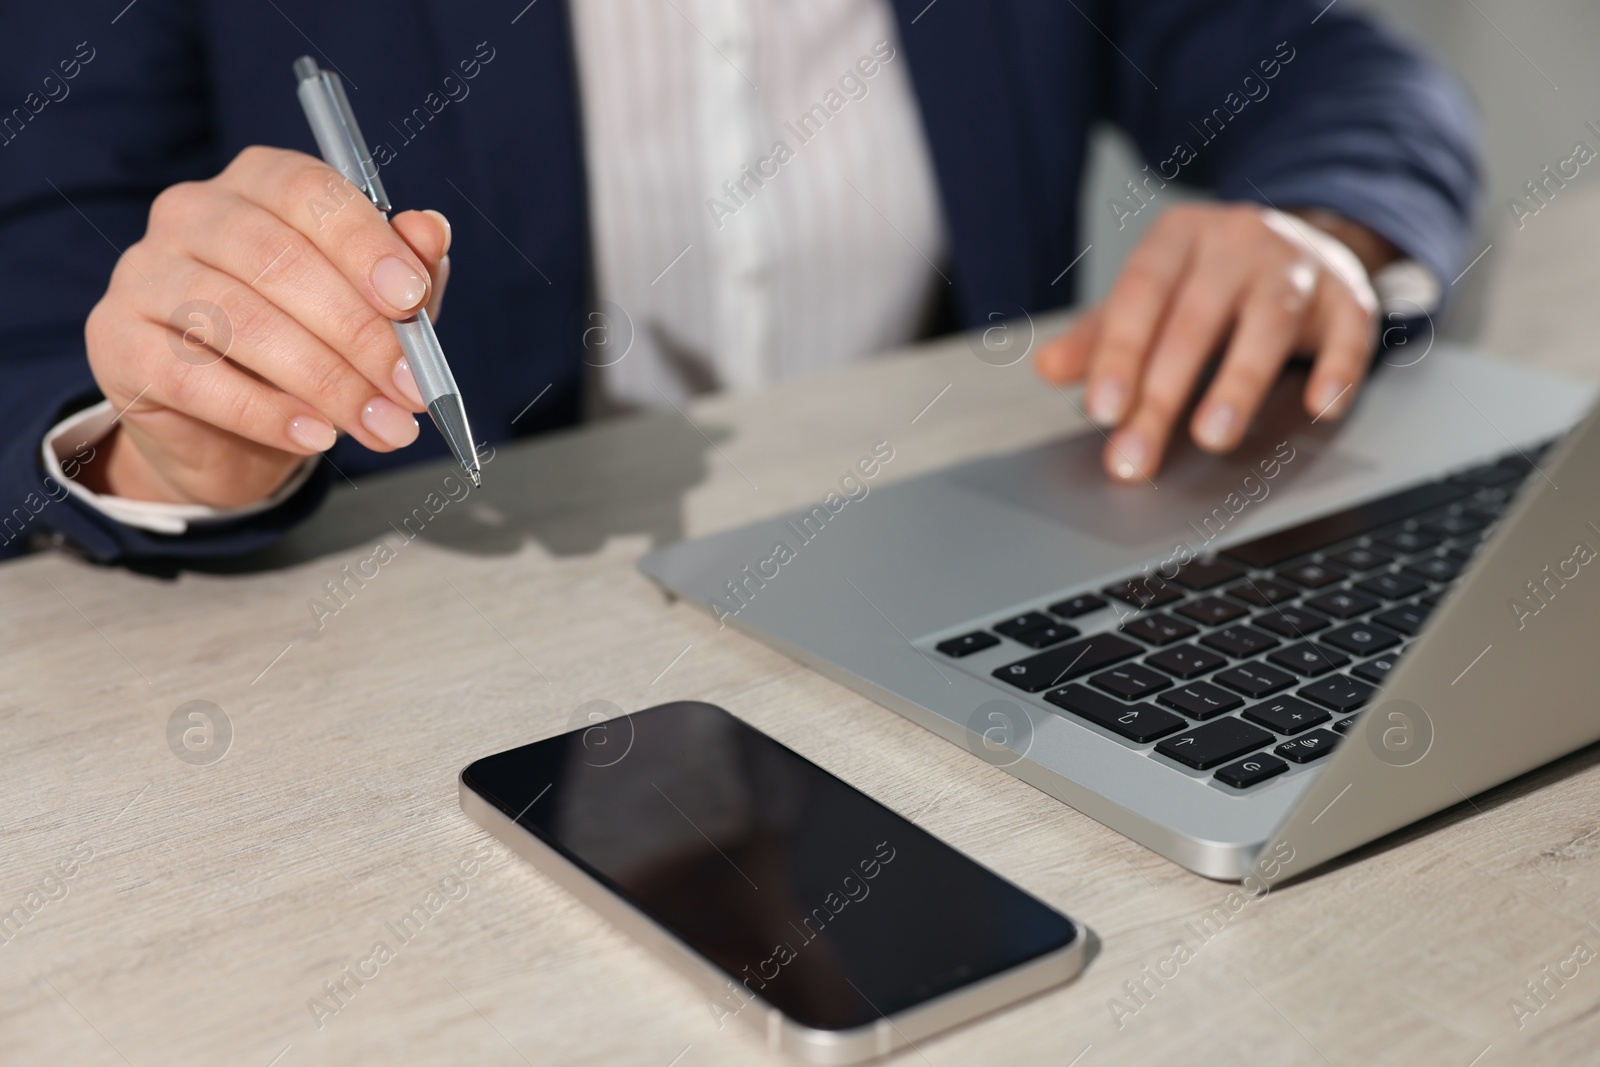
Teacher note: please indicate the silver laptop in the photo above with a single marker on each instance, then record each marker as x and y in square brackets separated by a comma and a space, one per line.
[1251, 665]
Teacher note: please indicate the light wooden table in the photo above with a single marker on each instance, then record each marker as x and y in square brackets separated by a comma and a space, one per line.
[207, 905]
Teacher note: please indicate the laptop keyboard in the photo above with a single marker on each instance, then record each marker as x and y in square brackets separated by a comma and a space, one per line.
[1237, 668]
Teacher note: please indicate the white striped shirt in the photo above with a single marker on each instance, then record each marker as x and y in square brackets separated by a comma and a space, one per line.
[760, 206]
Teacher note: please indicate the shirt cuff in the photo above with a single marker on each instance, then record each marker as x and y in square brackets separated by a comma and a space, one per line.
[90, 426]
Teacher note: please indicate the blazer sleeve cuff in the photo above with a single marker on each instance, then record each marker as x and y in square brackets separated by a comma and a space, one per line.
[38, 508]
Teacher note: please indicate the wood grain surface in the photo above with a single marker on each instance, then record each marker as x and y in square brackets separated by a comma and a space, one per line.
[171, 912]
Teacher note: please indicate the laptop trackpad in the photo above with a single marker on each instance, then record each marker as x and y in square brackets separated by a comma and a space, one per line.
[1193, 497]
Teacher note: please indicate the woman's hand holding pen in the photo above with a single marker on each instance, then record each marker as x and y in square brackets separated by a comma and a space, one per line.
[251, 324]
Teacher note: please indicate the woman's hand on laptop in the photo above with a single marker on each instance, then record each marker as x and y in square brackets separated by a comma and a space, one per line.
[1268, 283]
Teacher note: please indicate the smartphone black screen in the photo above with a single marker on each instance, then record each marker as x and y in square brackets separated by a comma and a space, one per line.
[810, 895]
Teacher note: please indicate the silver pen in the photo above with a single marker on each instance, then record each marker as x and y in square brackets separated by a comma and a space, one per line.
[345, 150]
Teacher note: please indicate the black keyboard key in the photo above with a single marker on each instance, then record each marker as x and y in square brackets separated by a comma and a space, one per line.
[1343, 725]
[1253, 770]
[1432, 599]
[1254, 679]
[1490, 474]
[1343, 604]
[1377, 670]
[1240, 642]
[1074, 606]
[1437, 568]
[1459, 525]
[1291, 622]
[1200, 700]
[1065, 662]
[1362, 638]
[1139, 723]
[1363, 559]
[1308, 747]
[1143, 592]
[1488, 510]
[1308, 659]
[1339, 693]
[1391, 586]
[1314, 575]
[1308, 537]
[1017, 624]
[1185, 661]
[1159, 629]
[1211, 611]
[1407, 618]
[1131, 681]
[1216, 742]
[1491, 494]
[1263, 592]
[967, 644]
[1287, 715]
[1206, 574]
[1409, 540]
[1045, 636]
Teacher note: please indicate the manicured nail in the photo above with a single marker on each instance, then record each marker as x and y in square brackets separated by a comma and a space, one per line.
[1106, 401]
[1329, 393]
[310, 432]
[389, 423]
[407, 384]
[398, 285]
[1052, 360]
[1215, 427]
[442, 222]
[1131, 453]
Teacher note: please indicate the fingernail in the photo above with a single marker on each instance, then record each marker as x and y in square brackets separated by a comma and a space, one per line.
[407, 384]
[1328, 394]
[310, 432]
[442, 222]
[389, 423]
[1106, 401]
[1047, 360]
[1131, 452]
[1055, 359]
[398, 285]
[1215, 427]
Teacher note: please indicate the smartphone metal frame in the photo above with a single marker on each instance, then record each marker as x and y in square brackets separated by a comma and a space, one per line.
[778, 1031]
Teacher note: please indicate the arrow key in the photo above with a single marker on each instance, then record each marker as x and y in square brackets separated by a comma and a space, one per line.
[1218, 741]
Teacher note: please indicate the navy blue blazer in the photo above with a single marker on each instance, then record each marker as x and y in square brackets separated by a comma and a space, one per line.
[103, 105]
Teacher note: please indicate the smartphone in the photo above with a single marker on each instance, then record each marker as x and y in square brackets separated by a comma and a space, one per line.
[801, 906]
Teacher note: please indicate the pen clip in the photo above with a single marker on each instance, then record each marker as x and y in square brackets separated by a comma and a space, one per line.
[324, 91]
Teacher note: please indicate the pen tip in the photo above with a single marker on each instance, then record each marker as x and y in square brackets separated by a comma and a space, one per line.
[477, 478]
